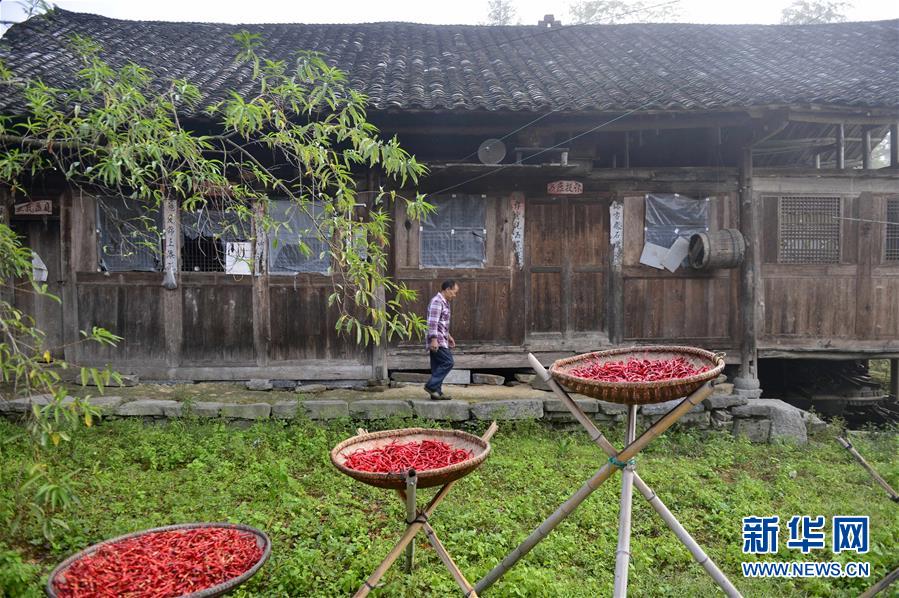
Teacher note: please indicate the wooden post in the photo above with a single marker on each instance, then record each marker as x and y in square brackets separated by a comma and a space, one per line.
[894, 377]
[67, 232]
[749, 278]
[894, 145]
[173, 296]
[627, 149]
[615, 308]
[866, 148]
[262, 320]
[841, 147]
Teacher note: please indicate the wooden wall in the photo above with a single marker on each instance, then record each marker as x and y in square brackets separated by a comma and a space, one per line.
[220, 326]
[815, 305]
[684, 306]
[208, 325]
[487, 311]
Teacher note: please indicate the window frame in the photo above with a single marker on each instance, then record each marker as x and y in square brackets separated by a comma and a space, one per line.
[103, 256]
[271, 256]
[452, 228]
[840, 241]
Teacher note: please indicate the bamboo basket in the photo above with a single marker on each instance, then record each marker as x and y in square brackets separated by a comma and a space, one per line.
[262, 540]
[426, 479]
[638, 393]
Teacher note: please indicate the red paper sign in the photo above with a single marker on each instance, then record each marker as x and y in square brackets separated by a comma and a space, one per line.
[565, 188]
[34, 208]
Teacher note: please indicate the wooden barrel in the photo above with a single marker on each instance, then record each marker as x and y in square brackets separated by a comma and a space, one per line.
[717, 249]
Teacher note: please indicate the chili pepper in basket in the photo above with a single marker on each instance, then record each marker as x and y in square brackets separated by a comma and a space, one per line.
[638, 370]
[162, 564]
[399, 457]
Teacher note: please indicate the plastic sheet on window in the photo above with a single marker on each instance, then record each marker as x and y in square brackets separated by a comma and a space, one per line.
[219, 224]
[129, 235]
[671, 215]
[285, 255]
[455, 236]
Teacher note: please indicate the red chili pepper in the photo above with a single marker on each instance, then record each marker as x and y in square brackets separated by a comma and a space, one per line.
[639, 370]
[398, 457]
[162, 564]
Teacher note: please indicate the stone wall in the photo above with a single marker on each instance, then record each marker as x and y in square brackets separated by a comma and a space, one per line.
[760, 420]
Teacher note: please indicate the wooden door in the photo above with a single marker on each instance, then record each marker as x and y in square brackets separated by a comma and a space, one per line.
[566, 256]
[42, 236]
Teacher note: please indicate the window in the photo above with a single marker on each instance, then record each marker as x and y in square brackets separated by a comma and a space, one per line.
[209, 236]
[671, 215]
[285, 255]
[809, 230]
[891, 247]
[455, 237]
[129, 235]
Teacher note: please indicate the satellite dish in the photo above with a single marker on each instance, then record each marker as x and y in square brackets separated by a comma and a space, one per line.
[491, 151]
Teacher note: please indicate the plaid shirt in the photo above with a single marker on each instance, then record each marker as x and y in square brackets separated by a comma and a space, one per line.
[439, 320]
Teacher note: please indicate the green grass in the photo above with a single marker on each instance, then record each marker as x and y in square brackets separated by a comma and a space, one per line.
[329, 532]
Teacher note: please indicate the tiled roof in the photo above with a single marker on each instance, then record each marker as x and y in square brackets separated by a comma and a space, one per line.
[520, 68]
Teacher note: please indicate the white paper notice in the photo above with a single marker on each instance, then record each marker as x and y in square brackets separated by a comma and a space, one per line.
[653, 255]
[238, 257]
[676, 254]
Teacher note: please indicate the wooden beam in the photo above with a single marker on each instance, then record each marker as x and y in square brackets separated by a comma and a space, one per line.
[749, 275]
[628, 123]
[841, 147]
[866, 148]
[848, 118]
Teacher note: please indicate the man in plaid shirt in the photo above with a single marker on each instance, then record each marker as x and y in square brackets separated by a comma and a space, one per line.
[440, 341]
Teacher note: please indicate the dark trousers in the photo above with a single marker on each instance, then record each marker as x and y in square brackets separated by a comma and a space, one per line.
[441, 364]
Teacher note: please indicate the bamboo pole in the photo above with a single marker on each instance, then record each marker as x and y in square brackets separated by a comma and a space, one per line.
[623, 554]
[603, 474]
[412, 530]
[444, 555]
[894, 496]
[466, 586]
[882, 584]
[411, 514]
[597, 437]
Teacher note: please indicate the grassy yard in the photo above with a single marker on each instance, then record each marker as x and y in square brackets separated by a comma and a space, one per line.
[329, 532]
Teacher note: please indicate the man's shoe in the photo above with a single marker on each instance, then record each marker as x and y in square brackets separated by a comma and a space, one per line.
[434, 395]
[443, 397]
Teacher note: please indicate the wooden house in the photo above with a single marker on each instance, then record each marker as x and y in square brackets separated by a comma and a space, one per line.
[557, 153]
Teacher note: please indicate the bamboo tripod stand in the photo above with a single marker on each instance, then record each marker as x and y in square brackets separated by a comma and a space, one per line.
[416, 520]
[630, 478]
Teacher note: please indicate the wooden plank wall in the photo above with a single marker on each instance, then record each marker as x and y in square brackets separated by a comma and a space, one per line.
[486, 310]
[214, 326]
[684, 305]
[857, 299]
